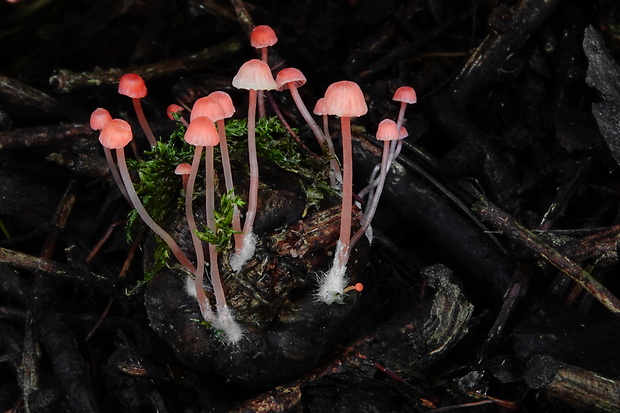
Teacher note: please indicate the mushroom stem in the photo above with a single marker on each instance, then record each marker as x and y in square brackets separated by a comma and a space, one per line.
[143, 123]
[253, 191]
[216, 281]
[135, 201]
[203, 303]
[347, 188]
[246, 250]
[374, 202]
[228, 181]
[115, 175]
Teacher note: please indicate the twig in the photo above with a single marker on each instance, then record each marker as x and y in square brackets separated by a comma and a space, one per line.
[28, 262]
[511, 228]
[65, 80]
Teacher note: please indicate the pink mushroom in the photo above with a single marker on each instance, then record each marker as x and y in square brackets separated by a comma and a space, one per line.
[346, 100]
[386, 132]
[261, 38]
[98, 120]
[253, 75]
[291, 78]
[133, 86]
[229, 109]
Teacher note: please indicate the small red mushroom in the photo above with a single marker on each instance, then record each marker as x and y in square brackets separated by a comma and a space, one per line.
[405, 95]
[262, 37]
[183, 169]
[133, 86]
[99, 120]
[173, 109]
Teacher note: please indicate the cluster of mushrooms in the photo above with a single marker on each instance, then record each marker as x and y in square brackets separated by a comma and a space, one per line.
[205, 130]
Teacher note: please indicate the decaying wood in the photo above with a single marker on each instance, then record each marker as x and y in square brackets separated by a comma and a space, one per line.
[510, 227]
[576, 386]
[65, 80]
[425, 332]
[510, 28]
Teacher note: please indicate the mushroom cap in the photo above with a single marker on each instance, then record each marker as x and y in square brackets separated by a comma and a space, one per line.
[116, 134]
[132, 85]
[319, 108]
[254, 75]
[99, 118]
[173, 108]
[345, 99]
[225, 102]
[290, 75]
[387, 130]
[201, 132]
[403, 133]
[405, 94]
[209, 107]
[183, 169]
[263, 36]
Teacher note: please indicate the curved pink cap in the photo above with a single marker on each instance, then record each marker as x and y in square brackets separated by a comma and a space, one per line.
[319, 108]
[99, 118]
[132, 85]
[254, 75]
[387, 130]
[345, 99]
[225, 102]
[405, 94]
[263, 36]
[201, 132]
[209, 107]
[116, 134]
[290, 75]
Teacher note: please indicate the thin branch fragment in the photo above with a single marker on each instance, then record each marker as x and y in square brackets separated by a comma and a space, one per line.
[511, 228]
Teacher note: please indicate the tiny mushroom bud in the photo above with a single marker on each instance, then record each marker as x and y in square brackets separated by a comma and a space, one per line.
[133, 86]
[174, 109]
[183, 169]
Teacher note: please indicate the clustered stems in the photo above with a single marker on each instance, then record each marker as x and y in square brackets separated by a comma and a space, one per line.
[137, 205]
[205, 308]
[343, 99]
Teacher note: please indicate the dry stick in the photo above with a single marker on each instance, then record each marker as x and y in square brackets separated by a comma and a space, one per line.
[65, 80]
[28, 262]
[128, 260]
[511, 228]
[57, 338]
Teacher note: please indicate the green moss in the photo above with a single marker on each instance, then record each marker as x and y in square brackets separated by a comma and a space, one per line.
[161, 191]
[223, 235]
